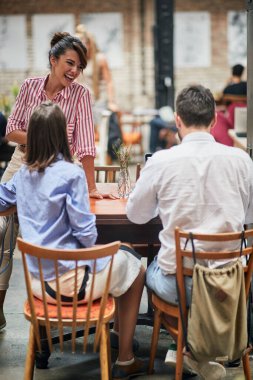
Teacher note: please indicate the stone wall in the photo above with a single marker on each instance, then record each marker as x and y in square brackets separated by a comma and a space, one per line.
[134, 82]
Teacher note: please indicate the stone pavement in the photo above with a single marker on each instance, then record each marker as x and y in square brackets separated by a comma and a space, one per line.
[14, 339]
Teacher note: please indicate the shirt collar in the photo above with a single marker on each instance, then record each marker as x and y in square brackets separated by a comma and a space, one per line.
[65, 92]
[198, 136]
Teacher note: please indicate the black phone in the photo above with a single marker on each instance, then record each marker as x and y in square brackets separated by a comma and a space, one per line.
[147, 155]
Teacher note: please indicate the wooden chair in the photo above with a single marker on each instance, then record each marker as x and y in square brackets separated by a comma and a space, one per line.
[162, 308]
[230, 98]
[109, 173]
[44, 316]
[131, 129]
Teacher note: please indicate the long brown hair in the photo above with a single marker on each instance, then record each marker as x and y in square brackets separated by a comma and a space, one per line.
[46, 137]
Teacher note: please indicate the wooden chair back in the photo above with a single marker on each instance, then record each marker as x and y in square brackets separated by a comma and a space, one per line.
[109, 173]
[163, 309]
[95, 313]
[222, 241]
[230, 98]
[131, 129]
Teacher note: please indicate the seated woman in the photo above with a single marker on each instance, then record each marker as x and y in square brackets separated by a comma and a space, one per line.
[52, 201]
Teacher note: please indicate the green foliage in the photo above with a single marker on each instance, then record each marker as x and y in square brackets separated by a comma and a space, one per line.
[7, 101]
[123, 154]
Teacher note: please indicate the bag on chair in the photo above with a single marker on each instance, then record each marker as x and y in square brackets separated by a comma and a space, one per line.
[217, 319]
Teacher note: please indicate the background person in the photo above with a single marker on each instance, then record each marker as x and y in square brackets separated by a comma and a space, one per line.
[98, 77]
[6, 150]
[236, 86]
[59, 216]
[226, 117]
[163, 130]
[198, 185]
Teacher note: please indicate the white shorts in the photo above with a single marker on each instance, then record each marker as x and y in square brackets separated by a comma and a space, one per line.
[125, 269]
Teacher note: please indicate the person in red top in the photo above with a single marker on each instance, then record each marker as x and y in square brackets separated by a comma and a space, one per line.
[67, 59]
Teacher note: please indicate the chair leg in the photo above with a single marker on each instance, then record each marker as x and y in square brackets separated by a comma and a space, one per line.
[104, 365]
[179, 364]
[154, 341]
[246, 367]
[109, 351]
[30, 356]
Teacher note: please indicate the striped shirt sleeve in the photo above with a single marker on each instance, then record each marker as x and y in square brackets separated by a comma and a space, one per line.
[84, 135]
[16, 121]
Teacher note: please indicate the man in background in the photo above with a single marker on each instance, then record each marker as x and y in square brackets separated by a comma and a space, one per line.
[236, 85]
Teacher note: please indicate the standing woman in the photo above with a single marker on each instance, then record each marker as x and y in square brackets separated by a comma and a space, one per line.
[67, 59]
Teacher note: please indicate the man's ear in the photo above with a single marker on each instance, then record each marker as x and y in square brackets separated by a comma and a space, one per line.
[214, 121]
[177, 120]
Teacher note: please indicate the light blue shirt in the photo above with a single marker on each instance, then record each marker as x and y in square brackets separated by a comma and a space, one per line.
[53, 210]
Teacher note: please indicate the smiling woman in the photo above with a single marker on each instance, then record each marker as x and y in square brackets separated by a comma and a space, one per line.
[67, 59]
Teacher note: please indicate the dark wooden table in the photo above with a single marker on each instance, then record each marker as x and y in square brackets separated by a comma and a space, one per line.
[113, 224]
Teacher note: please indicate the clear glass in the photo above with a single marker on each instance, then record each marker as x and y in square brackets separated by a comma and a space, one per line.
[124, 183]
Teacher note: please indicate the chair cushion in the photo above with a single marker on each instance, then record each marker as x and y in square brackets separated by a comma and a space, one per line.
[67, 311]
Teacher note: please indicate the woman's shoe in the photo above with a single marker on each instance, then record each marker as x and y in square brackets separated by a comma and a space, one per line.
[125, 372]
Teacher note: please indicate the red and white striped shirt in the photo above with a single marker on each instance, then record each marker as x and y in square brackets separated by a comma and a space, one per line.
[75, 102]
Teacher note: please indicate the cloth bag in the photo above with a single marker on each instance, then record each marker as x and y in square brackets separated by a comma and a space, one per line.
[217, 319]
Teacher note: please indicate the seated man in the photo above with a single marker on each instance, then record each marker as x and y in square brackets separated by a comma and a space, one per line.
[199, 185]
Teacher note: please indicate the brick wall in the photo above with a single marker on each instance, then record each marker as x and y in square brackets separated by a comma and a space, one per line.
[134, 82]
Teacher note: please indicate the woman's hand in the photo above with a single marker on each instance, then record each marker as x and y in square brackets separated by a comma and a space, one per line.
[96, 194]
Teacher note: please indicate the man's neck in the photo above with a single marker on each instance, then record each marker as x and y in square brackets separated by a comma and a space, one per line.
[187, 130]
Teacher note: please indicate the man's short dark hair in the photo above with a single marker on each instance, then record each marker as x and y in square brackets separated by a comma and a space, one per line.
[237, 70]
[196, 106]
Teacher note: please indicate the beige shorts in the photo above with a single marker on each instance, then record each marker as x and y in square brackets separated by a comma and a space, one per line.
[125, 270]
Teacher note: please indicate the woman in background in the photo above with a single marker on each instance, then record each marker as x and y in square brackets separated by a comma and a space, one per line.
[98, 78]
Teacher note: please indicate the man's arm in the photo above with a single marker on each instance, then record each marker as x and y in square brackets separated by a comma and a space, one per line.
[142, 204]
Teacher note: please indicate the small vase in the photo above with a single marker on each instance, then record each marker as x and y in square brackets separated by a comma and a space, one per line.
[124, 183]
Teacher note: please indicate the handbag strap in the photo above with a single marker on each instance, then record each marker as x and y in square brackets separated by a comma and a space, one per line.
[243, 242]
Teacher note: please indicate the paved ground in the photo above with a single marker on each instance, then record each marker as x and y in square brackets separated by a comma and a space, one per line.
[14, 338]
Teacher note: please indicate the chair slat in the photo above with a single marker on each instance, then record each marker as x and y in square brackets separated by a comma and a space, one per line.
[87, 325]
[59, 310]
[43, 291]
[74, 310]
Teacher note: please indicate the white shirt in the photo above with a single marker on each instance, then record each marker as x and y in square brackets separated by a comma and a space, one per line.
[199, 186]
